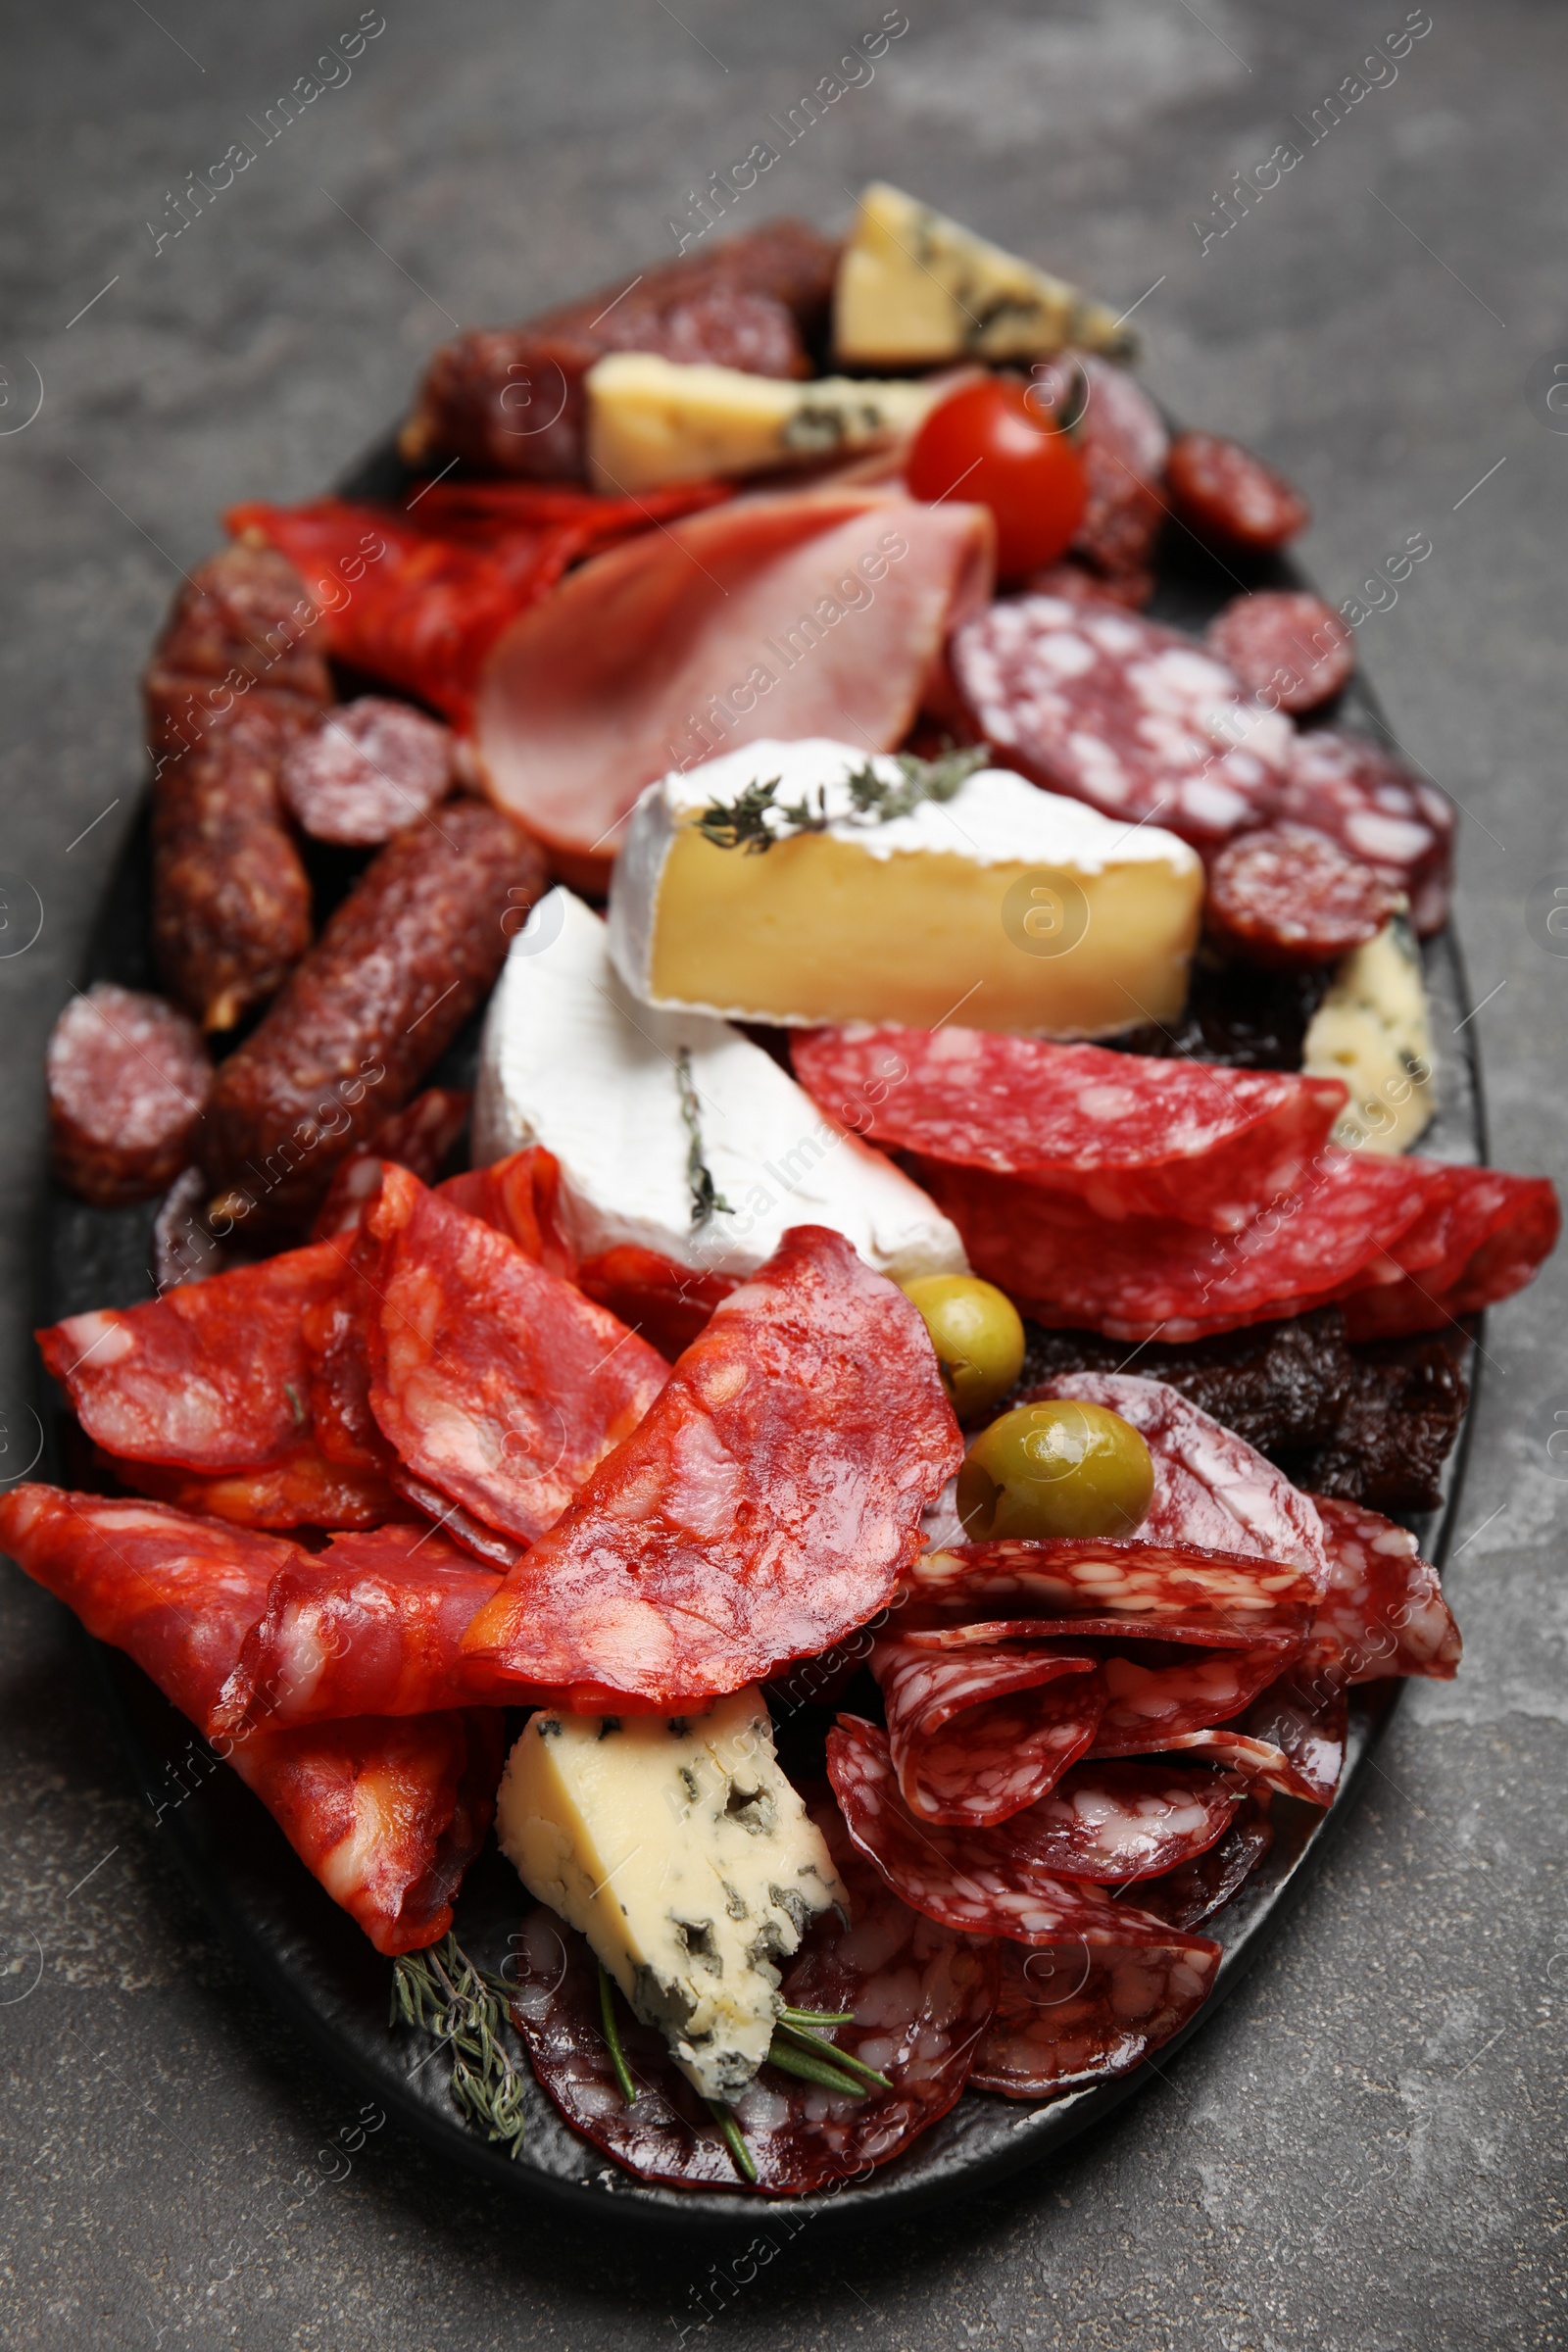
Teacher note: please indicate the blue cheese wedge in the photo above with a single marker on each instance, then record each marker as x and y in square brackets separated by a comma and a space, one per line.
[652, 420]
[998, 906]
[640, 1107]
[1372, 1030]
[687, 1860]
[914, 288]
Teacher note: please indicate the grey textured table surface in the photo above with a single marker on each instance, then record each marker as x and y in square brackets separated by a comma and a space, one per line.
[1364, 2150]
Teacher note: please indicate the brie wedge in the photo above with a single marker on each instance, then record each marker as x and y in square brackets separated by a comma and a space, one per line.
[1372, 1030]
[652, 420]
[914, 288]
[1002, 905]
[686, 1858]
[634, 1103]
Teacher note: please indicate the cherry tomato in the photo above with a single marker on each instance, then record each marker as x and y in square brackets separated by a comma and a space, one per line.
[987, 446]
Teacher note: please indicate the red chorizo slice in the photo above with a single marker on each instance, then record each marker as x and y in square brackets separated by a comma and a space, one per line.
[1226, 494]
[978, 1735]
[766, 1505]
[1288, 642]
[920, 1998]
[385, 1811]
[212, 1376]
[128, 1078]
[1075, 2016]
[369, 768]
[1288, 898]
[494, 1381]
[302, 1490]
[403, 962]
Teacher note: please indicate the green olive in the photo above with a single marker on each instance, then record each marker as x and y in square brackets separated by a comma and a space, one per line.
[1055, 1469]
[976, 1331]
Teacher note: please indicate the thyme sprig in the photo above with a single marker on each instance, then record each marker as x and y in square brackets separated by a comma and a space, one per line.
[757, 818]
[441, 1992]
[707, 1199]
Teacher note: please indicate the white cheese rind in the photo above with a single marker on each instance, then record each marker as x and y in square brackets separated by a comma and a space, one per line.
[1373, 1030]
[571, 1061]
[686, 1858]
[652, 420]
[914, 286]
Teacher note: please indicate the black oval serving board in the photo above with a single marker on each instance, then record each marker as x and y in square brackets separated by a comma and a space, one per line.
[310, 1959]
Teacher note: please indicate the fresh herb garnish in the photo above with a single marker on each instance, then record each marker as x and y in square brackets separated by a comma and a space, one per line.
[617, 2056]
[441, 1992]
[757, 818]
[740, 2155]
[707, 1199]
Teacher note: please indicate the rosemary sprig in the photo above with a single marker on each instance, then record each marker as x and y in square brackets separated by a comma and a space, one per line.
[816, 2017]
[757, 818]
[617, 2056]
[740, 2155]
[441, 1992]
[825, 2054]
[707, 1199]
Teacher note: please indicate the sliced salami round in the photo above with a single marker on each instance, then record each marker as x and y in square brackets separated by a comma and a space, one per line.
[1117, 1821]
[1130, 591]
[367, 770]
[128, 1079]
[979, 1733]
[1193, 1890]
[1101, 1578]
[1287, 645]
[1070, 2018]
[1379, 809]
[1123, 445]
[921, 1996]
[1383, 1613]
[1111, 709]
[1288, 898]
[1226, 494]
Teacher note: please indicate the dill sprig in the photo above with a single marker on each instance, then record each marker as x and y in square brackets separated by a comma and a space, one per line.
[757, 818]
[442, 1993]
[707, 1199]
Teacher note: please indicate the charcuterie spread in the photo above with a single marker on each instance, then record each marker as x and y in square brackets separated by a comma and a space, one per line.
[772, 1105]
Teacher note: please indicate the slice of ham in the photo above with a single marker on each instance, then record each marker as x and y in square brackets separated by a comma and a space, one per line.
[805, 613]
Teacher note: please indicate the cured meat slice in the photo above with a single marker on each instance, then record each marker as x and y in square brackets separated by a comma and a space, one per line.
[1212, 1488]
[1066, 2019]
[1383, 1612]
[1122, 441]
[127, 1077]
[512, 400]
[1123, 712]
[1285, 644]
[802, 613]
[1193, 1891]
[767, 1506]
[1083, 1577]
[1261, 1761]
[386, 1813]
[521, 1196]
[405, 960]
[498, 1553]
[425, 607]
[1154, 1698]
[210, 1377]
[422, 1137]
[1128, 1135]
[1146, 1279]
[1116, 1821]
[304, 1489]
[241, 629]
[1287, 897]
[980, 1882]
[371, 1626]
[1130, 591]
[334, 1332]
[977, 1734]
[368, 769]
[1380, 810]
[183, 1249]
[1308, 1726]
[494, 1381]
[1482, 1236]
[177, 1594]
[670, 1305]
[920, 1995]
[1228, 495]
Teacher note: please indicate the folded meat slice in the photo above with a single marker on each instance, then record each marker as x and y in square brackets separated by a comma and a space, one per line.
[212, 1376]
[766, 1505]
[386, 1813]
[978, 1734]
[805, 612]
[305, 1489]
[495, 1381]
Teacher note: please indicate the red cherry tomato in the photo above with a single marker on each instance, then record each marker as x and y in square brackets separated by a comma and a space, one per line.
[989, 447]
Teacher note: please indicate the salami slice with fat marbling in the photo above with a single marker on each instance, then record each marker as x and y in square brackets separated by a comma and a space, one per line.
[1120, 711]
[1285, 642]
[1068, 2017]
[1287, 897]
[127, 1077]
[1116, 1821]
[978, 1734]
[1105, 1579]
[368, 769]
[1383, 1613]
[1193, 1890]
[1125, 1133]
[767, 1506]
[1381, 809]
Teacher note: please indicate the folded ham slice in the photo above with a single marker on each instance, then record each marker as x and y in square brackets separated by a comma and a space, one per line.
[805, 613]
